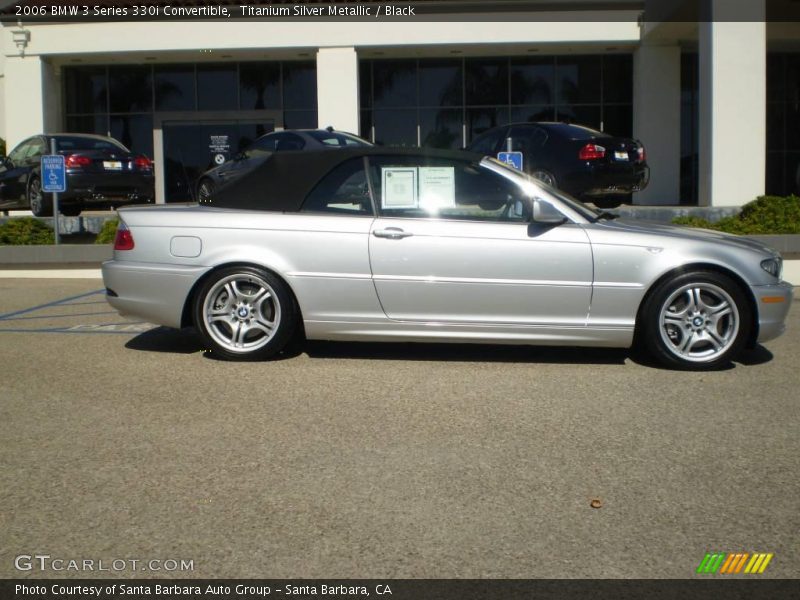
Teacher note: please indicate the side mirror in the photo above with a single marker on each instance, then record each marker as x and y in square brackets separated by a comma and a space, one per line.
[545, 214]
[3, 160]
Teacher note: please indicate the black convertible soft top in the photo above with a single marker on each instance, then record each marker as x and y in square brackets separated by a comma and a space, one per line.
[284, 179]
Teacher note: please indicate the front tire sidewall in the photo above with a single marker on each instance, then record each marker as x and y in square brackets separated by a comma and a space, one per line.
[651, 338]
[284, 330]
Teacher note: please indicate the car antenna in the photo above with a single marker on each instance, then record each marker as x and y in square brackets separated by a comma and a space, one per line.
[329, 129]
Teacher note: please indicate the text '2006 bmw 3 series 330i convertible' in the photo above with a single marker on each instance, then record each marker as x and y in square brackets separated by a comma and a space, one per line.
[383, 244]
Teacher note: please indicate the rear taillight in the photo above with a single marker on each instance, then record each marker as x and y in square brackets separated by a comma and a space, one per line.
[75, 161]
[641, 154]
[591, 152]
[143, 163]
[123, 239]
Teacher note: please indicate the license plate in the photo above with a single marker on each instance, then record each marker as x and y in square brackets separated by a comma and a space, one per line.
[620, 155]
[112, 165]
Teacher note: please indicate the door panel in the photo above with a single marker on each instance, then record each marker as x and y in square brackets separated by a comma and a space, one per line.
[481, 272]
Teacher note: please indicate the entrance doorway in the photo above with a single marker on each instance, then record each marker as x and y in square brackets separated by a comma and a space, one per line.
[191, 147]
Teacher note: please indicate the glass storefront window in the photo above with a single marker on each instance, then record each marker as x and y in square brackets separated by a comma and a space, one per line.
[259, 86]
[440, 83]
[486, 81]
[86, 89]
[395, 127]
[131, 89]
[134, 131]
[532, 80]
[578, 79]
[300, 85]
[394, 83]
[174, 87]
[440, 128]
[217, 87]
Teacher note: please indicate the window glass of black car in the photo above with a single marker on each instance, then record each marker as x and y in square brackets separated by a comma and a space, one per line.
[68, 143]
[336, 140]
[527, 139]
[36, 148]
[487, 143]
[343, 191]
[436, 188]
[19, 153]
[288, 141]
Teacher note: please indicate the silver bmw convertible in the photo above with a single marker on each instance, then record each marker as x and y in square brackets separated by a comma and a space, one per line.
[387, 244]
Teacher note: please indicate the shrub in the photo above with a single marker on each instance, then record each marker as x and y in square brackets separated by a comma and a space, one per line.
[107, 232]
[25, 231]
[765, 215]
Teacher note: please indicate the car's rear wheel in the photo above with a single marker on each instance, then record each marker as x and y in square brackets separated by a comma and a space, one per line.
[205, 190]
[545, 177]
[697, 320]
[40, 205]
[245, 313]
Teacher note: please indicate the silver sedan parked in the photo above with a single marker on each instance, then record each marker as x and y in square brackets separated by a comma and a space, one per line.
[383, 244]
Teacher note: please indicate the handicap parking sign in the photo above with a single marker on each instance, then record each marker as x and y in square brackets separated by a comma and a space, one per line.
[54, 173]
[513, 159]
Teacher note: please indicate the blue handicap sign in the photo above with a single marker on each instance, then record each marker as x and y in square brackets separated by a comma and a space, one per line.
[54, 173]
[511, 158]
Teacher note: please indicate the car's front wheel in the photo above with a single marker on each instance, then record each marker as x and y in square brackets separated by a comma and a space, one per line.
[697, 320]
[40, 205]
[245, 313]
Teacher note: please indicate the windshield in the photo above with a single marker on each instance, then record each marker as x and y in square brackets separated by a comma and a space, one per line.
[576, 205]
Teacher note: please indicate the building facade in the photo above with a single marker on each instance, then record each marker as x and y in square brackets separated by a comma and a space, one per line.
[716, 102]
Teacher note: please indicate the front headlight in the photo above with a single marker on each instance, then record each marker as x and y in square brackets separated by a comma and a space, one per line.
[773, 266]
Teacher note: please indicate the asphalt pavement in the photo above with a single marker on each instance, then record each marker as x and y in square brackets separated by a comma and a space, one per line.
[122, 440]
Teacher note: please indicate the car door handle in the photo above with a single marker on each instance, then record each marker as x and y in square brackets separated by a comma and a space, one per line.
[392, 233]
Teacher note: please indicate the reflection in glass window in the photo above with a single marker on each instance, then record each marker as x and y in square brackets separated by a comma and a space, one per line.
[300, 119]
[618, 78]
[174, 87]
[300, 85]
[217, 87]
[440, 128]
[86, 89]
[395, 127]
[97, 124]
[134, 131]
[486, 81]
[532, 80]
[483, 119]
[131, 89]
[528, 114]
[578, 79]
[394, 83]
[440, 83]
[259, 85]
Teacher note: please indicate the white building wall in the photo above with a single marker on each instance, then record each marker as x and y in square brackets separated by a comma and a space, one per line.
[732, 112]
[24, 98]
[657, 119]
[337, 89]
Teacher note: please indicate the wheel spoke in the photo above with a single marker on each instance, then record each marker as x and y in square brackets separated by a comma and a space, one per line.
[688, 342]
[239, 331]
[674, 319]
[262, 324]
[715, 338]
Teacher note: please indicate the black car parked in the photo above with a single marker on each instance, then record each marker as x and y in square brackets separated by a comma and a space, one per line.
[101, 173]
[588, 164]
[277, 141]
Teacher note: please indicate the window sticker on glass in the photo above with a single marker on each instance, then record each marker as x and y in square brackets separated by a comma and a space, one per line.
[437, 187]
[399, 187]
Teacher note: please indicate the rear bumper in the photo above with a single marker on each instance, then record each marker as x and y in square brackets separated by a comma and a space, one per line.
[604, 179]
[774, 302]
[153, 292]
[108, 188]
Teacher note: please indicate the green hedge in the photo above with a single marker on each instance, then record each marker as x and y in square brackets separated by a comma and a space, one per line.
[764, 216]
[26, 231]
[108, 232]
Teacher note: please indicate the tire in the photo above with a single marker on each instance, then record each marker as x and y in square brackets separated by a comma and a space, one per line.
[38, 202]
[545, 177]
[696, 321]
[245, 313]
[204, 190]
